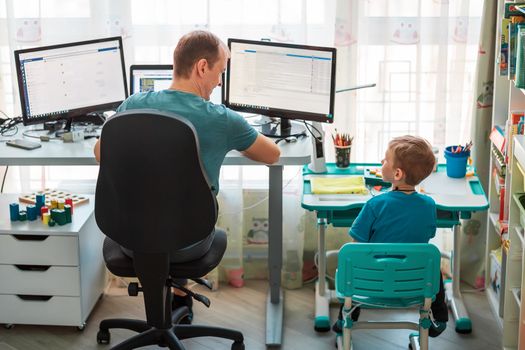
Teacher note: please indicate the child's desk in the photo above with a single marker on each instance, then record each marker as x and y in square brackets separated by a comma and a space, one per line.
[455, 199]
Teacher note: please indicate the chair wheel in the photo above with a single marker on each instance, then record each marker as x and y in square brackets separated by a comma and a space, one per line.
[103, 336]
[133, 289]
[9, 326]
[186, 320]
[238, 346]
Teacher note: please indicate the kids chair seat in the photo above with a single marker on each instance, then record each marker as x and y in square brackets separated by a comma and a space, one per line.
[388, 275]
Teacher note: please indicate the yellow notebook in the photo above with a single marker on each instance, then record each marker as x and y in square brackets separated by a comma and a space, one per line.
[340, 184]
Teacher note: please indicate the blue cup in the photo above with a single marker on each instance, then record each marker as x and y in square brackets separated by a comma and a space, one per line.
[456, 162]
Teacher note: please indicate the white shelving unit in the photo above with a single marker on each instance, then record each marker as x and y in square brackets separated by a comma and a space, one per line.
[500, 113]
[507, 308]
[515, 279]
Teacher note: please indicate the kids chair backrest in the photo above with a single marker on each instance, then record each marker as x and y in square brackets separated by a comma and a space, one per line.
[388, 270]
[388, 275]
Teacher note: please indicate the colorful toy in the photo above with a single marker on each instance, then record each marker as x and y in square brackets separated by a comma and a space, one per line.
[57, 211]
[48, 194]
[373, 177]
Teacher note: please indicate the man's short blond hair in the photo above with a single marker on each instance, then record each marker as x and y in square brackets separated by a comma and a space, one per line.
[194, 46]
[414, 156]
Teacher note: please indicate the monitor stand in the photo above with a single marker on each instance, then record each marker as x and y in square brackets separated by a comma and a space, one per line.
[96, 118]
[282, 128]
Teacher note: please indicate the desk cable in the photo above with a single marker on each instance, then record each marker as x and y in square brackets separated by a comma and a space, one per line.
[8, 126]
[290, 139]
[28, 133]
[89, 131]
[3, 181]
[308, 126]
[260, 201]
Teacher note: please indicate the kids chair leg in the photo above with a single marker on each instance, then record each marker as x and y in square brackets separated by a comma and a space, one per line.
[424, 324]
[347, 324]
[414, 341]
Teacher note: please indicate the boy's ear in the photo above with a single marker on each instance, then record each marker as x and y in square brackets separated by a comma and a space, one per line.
[399, 174]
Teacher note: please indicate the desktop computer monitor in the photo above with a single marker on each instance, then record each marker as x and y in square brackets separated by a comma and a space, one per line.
[156, 77]
[71, 81]
[281, 80]
[150, 77]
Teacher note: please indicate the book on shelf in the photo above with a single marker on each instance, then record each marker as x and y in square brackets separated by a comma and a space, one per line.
[498, 139]
[503, 227]
[498, 160]
[503, 214]
[504, 48]
[514, 9]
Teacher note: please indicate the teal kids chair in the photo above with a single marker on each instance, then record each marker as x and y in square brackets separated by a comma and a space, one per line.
[388, 275]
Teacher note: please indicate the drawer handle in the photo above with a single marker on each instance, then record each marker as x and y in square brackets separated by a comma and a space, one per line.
[30, 237]
[33, 267]
[34, 297]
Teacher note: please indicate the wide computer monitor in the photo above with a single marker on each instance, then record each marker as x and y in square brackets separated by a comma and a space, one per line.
[281, 80]
[156, 77]
[71, 81]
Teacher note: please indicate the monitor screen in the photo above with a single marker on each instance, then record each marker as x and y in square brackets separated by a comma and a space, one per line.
[281, 80]
[155, 77]
[70, 80]
[149, 77]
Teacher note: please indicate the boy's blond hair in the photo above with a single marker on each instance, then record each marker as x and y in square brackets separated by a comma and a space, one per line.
[414, 156]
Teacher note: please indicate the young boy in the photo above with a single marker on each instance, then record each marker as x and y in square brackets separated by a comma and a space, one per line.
[403, 215]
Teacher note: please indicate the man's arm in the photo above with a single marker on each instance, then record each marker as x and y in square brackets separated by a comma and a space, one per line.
[263, 150]
[96, 150]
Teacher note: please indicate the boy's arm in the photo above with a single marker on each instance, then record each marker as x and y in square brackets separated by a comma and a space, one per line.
[361, 229]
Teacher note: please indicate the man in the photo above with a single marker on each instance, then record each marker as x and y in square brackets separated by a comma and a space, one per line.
[199, 60]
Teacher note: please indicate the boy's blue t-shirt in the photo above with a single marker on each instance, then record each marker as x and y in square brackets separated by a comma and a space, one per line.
[219, 129]
[396, 217]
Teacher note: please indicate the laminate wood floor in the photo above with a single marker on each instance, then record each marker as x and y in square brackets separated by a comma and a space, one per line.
[244, 309]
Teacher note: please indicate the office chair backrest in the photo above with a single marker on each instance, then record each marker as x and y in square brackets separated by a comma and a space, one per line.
[388, 270]
[152, 193]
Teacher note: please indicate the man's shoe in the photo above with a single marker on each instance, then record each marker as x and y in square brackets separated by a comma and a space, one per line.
[179, 301]
[436, 329]
[338, 325]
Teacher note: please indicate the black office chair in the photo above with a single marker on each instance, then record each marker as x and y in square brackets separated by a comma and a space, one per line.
[153, 198]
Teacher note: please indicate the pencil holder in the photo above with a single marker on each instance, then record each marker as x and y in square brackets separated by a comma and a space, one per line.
[342, 156]
[456, 162]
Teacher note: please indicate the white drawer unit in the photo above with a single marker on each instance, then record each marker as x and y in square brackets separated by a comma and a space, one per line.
[50, 275]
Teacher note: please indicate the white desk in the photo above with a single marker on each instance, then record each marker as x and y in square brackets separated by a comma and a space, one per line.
[294, 153]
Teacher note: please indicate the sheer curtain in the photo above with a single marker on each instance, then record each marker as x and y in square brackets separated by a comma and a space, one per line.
[422, 56]
[151, 29]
